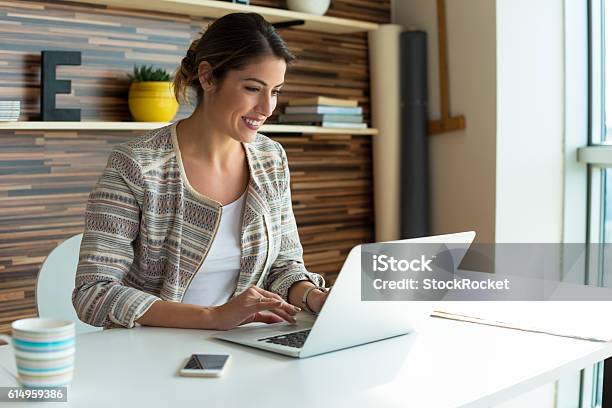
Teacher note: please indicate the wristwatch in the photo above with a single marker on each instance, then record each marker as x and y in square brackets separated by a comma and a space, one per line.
[305, 297]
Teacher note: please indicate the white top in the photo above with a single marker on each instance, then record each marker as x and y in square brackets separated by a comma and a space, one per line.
[217, 277]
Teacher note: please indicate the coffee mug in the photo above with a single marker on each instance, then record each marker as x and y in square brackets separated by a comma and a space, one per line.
[44, 351]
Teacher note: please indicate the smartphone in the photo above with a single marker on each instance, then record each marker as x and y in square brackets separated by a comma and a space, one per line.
[205, 365]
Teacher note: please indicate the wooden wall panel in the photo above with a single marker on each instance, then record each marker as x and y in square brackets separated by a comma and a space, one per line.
[331, 190]
[45, 177]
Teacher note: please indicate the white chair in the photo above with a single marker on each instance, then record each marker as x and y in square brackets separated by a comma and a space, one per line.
[56, 282]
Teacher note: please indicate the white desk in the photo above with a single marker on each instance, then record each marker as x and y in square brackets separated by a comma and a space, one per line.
[446, 364]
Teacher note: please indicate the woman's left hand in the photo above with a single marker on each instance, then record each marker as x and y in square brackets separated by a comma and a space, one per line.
[316, 299]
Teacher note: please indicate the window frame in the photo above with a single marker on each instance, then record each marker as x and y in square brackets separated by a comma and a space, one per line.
[593, 157]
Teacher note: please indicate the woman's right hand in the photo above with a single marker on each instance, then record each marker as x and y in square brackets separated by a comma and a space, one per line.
[254, 305]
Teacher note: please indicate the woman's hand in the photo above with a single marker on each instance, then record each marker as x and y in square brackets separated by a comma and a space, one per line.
[316, 299]
[254, 305]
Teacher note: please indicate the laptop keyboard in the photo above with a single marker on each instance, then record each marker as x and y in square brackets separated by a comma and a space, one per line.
[295, 339]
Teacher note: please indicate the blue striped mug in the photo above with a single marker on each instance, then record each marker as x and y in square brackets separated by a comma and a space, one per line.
[44, 351]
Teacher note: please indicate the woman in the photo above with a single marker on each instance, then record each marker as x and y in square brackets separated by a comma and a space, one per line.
[191, 225]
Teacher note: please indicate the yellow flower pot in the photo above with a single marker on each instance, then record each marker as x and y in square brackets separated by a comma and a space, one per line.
[152, 101]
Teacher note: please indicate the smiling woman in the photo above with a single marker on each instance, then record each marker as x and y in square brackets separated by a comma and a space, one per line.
[242, 97]
[191, 225]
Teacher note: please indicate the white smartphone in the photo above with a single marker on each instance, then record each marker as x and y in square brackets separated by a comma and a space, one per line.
[205, 365]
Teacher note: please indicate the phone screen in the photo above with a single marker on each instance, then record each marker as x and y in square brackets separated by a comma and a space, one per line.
[206, 361]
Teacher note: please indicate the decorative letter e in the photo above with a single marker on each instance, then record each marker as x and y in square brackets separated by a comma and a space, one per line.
[50, 86]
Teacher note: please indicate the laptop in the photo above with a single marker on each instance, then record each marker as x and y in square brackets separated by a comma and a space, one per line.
[345, 320]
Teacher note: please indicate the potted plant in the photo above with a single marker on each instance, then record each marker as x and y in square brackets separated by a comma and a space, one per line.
[151, 97]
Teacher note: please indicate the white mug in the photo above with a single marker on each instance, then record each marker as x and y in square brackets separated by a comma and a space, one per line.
[44, 351]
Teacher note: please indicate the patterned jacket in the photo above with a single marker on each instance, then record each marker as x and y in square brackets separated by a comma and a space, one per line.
[147, 231]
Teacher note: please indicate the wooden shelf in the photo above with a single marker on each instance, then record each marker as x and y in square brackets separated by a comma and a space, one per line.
[39, 125]
[215, 9]
[316, 129]
[34, 125]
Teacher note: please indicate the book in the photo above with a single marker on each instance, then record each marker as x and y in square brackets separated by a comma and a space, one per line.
[341, 125]
[322, 100]
[317, 117]
[13, 114]
[344, 125]
[325, 109]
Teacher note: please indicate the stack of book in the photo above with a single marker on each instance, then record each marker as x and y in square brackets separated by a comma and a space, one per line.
[323, 111]
[9, 111]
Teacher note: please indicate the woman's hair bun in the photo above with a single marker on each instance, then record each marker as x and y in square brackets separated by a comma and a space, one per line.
[229, 43]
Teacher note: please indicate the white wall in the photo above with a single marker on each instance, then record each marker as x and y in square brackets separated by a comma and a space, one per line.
[503, 175]
[530, 140]
[530, 121]
[462, 164]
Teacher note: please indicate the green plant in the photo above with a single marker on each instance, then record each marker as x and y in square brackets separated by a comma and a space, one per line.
[148, 73]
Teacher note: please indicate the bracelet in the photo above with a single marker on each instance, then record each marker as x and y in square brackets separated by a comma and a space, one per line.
[305, 297]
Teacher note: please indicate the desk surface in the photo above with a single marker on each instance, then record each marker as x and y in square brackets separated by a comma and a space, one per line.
[445, 364]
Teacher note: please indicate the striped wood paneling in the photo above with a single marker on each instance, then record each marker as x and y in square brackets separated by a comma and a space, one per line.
[331, 181]
[45, 177]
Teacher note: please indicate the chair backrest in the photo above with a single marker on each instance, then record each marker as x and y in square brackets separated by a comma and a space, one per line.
[56, 282]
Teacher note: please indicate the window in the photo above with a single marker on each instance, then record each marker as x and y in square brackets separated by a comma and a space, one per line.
[606, 220]
[606, 137]
[607, 215]
[597, 156]
[605, 11]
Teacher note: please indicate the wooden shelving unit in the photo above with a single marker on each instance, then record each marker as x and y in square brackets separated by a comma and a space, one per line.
[32, 125]
[210, 8]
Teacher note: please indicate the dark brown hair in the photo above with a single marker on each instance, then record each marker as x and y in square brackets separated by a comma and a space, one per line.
[230, 42]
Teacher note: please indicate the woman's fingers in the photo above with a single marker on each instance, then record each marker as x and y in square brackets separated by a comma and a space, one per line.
[282, 313]
[267, 293]
[268, 318]
[287, 307]
[263, 303]
[272, 306]
[258, 305]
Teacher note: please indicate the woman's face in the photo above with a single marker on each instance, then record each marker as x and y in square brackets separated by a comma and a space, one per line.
[246, 98]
